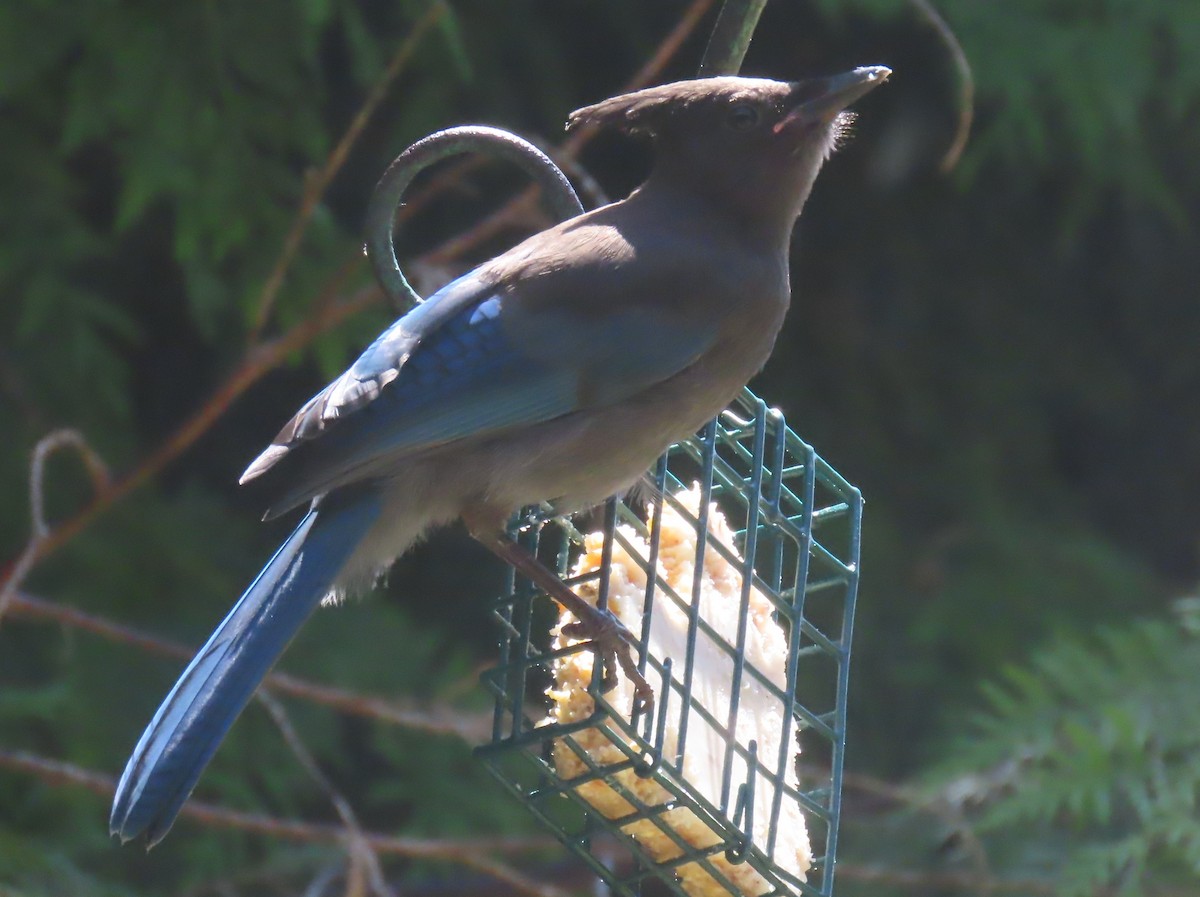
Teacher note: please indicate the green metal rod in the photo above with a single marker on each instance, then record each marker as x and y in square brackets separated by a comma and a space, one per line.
[731, 37]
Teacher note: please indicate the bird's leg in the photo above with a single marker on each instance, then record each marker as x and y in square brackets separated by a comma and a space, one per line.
[608, 635]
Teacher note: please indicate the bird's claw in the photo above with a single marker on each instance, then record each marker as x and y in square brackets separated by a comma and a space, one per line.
[613, 641]
[608, 635]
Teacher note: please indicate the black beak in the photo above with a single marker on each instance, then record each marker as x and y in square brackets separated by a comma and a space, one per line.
[819, 100]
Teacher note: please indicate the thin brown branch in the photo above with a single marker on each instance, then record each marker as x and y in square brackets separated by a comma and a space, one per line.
[323, 316]
[510, 876]
[318, 182]
[588, 187]
[966, 83]
[365, 868]
[980, 880]
[472, 728]
[471, 852]
[253, 367]
[39, 529]
[57, 772]
[924, 882]
[949, 813]
[661, 57]
[670, 45]
[523, 203]
[564, 154]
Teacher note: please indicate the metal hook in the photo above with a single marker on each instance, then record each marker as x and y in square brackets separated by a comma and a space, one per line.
[743, 815]
[385, 201]
[651, 763]
[731, 37]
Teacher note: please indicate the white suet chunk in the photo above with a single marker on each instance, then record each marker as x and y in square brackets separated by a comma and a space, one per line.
[760, 714]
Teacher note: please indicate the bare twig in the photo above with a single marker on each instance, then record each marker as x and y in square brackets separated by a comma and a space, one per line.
[670, 45]
[524, 203]
[319, 181]
[966, 83]
[980, 879]
[925, 882]
[589, 187]
[666, 51]
[39, 529]
[323, 316]
[469, 852]
[258, 362]
[324, 878]
[364, 863]
[522, 206]
[510, 876]
[935, 805]
[472, 728]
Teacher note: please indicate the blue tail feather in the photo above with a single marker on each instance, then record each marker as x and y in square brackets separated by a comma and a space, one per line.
[220, 680]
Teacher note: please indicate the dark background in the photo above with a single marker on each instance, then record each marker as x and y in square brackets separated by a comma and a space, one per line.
[1002, 356]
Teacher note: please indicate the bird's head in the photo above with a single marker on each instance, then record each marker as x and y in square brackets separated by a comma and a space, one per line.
[752, 144]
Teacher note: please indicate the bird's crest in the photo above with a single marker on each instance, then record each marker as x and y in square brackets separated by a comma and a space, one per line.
[643, 110]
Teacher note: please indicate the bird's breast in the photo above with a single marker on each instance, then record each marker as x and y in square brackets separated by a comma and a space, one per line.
[582, 458]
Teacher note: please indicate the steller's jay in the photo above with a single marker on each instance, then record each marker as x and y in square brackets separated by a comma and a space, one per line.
[557, 372]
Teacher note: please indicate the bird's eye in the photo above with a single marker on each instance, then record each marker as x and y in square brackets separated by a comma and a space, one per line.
[743, 117]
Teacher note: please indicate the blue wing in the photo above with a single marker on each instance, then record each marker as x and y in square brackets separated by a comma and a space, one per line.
[471, 361]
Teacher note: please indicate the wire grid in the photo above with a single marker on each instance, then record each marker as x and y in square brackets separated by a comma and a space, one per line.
[799, 538]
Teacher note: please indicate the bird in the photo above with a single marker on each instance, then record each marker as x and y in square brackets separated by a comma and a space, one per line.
[556, 372]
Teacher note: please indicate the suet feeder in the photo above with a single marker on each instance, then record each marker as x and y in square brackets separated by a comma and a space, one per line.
[701, 792]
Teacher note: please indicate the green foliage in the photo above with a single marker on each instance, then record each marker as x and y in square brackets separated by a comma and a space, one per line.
[1004, 361]
[1097, 738]
[1093, 84]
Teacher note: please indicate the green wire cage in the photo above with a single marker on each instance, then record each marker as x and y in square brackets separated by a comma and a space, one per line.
[711, 791]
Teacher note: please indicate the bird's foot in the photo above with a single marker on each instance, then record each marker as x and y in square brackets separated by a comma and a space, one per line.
[608, 635]
[614, 643]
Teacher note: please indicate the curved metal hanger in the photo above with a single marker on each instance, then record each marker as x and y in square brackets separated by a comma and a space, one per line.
[385, 201]
[724, 54]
